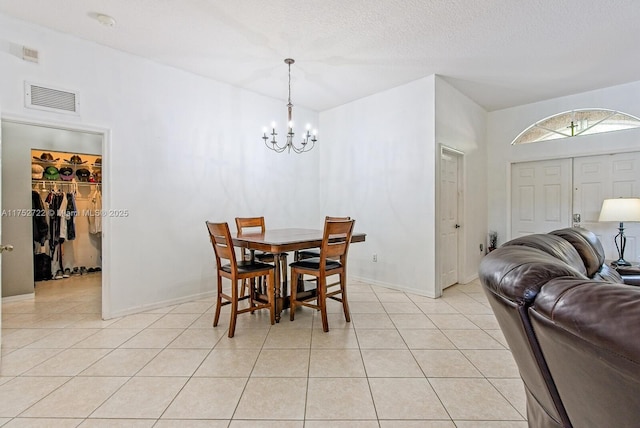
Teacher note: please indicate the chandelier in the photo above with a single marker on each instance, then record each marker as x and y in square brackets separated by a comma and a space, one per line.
[308, 137]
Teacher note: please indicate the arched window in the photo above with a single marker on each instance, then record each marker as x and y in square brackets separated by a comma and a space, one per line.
[576, 122]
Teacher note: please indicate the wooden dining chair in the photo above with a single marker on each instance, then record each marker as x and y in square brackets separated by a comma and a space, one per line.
[257, 224]
[332, 261]
[235, 271]
[315, 252]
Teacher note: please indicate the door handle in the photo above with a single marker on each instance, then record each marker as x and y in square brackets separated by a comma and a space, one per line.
[6, 248]
[457, 226]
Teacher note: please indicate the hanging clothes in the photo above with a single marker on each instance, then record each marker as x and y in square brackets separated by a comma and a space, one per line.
[56, 200]
[95, 213]
[39, 217]
[70, 215]
[62, 214]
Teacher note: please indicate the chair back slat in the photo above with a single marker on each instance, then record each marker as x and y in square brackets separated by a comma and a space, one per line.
[246, 225]
[243, 223]
[329, 218]
[222, 243]
[336, 240]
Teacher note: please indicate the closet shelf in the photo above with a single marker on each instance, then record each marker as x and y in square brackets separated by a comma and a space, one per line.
[59, 164]
[54, 182]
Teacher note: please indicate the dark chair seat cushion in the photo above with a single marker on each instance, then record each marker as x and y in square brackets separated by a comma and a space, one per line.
[310, 253]
[247, 266]
[264, 257]
[314, 263]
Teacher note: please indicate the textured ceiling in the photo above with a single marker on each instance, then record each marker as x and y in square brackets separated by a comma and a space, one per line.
[500, 53]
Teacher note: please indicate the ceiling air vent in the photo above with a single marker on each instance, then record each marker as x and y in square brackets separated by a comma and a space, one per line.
[50, 99]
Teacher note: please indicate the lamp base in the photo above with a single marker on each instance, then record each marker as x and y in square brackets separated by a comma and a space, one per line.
[620, 246]
[621, 262]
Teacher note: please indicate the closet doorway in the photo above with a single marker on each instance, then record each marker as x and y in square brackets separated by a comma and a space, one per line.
[23, 144]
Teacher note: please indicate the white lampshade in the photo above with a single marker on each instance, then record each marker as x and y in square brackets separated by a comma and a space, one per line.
[620, 209]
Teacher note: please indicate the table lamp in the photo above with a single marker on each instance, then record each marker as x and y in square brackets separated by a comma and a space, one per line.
[621, 210]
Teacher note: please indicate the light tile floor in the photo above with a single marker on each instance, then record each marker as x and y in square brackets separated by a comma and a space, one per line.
[404, 361]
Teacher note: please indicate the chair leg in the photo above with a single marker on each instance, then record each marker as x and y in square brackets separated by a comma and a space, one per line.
[234, 308]
[322, 302]
[271, 292]
[345, 303]
[260, 281]
[283, 269]
[252, 292]
[292, 296]
[242, 287]
[216, 318]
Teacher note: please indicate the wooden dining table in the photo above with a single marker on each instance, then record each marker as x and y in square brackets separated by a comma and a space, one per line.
[279, 242]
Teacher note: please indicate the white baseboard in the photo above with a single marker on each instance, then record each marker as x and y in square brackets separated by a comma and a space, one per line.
[18, 298]
[469, 279]
[158, 305]
[394, 287]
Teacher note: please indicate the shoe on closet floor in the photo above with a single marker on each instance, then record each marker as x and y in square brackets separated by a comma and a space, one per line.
[75, 271]
[66, 273]
[83, 270]
[90, 270]
[58, 275]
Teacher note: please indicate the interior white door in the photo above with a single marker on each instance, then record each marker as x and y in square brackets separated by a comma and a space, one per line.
[0, 233]
[602, 177]
[449, 221]
[540, 196]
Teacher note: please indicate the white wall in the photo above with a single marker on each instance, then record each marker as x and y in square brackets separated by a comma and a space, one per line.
[179, 150]
[504, 125]
[461, 125]
[378, 167]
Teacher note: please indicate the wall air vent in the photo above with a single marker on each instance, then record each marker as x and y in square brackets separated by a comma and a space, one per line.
[50, 99]
[30, 54]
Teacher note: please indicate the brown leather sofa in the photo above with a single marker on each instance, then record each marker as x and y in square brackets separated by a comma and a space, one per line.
[573, 328]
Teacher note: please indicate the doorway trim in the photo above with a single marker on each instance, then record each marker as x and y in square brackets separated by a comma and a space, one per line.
[446, 150]
[106, 188]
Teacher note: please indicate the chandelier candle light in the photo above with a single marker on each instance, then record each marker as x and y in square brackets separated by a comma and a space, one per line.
[308, 136]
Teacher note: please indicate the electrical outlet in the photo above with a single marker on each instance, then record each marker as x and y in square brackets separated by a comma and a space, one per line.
[375, 257]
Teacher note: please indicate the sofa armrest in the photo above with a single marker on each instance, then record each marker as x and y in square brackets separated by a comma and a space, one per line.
[587, 332]
[605, 314]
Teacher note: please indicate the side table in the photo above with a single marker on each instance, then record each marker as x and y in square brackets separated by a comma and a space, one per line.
[630, 274]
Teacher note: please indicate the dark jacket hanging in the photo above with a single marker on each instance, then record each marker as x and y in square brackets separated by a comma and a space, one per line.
[71, 213]
[39, 218]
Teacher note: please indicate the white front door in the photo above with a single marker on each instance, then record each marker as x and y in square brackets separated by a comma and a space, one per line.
[449, 217]
[540, 196]
[597, 178]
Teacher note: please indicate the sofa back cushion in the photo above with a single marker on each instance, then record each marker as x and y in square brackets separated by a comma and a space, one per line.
[553, 245]
[587, 244]
[517, 272]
